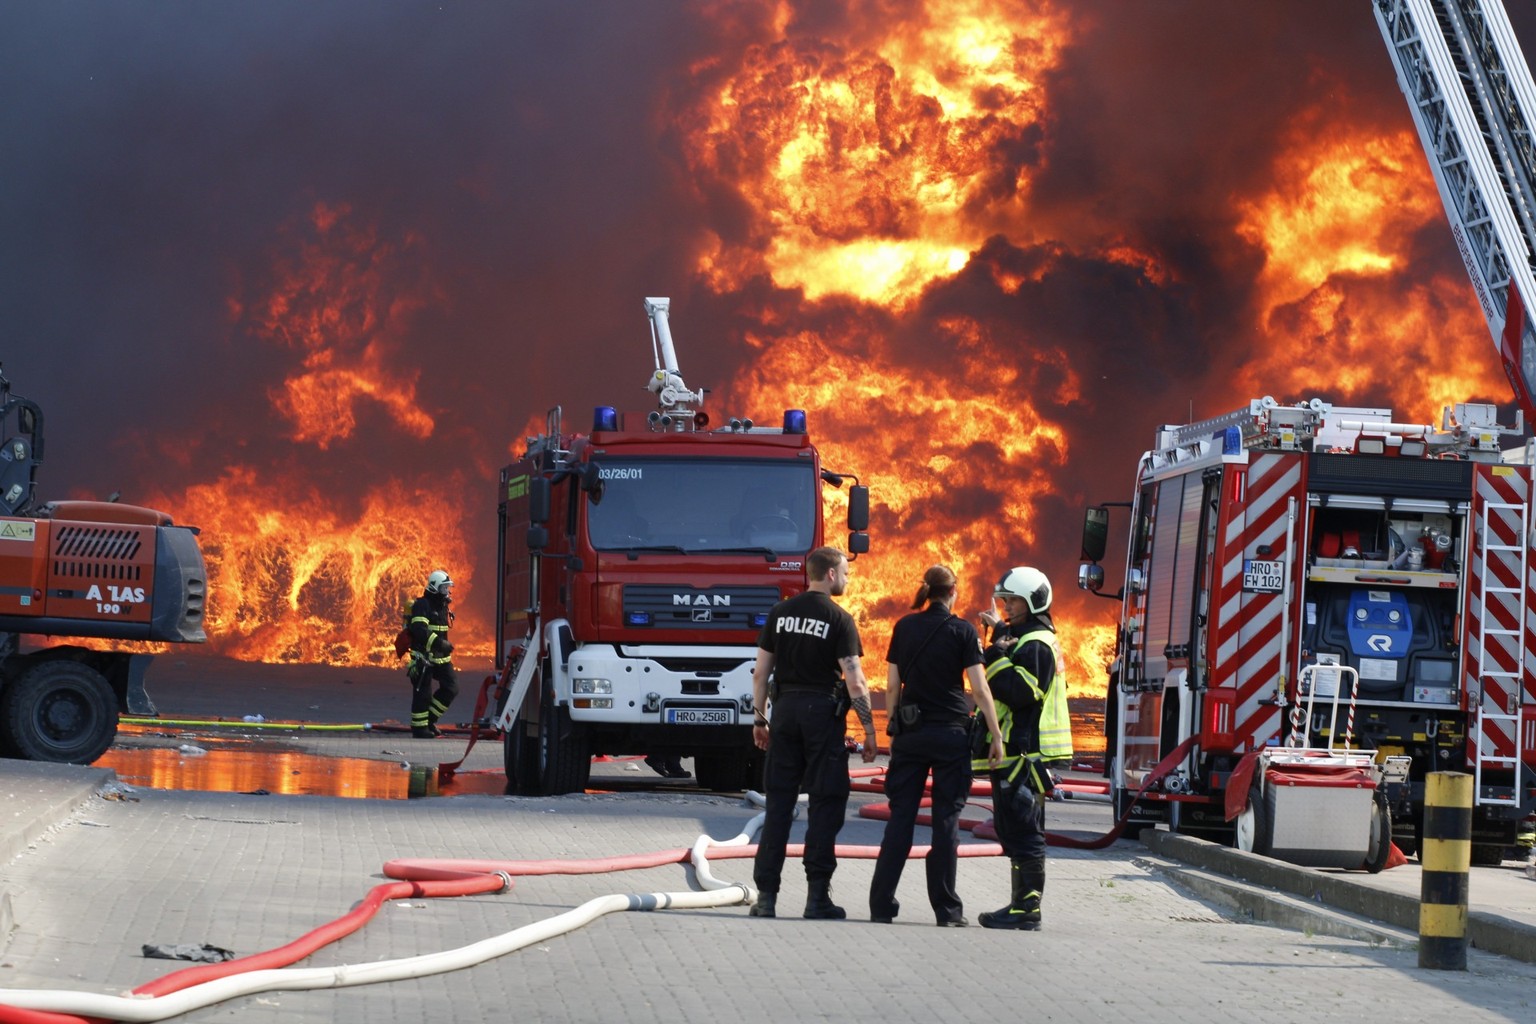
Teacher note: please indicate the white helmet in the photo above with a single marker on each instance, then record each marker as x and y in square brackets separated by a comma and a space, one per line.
[1030, 584]
[438, 582]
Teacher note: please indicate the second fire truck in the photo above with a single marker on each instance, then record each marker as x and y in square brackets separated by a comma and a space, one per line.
[1351, 595]
[638, 563]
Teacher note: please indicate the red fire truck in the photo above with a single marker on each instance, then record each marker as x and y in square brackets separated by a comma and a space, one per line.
[637, 564]
[1323, 605]
[1349, 595]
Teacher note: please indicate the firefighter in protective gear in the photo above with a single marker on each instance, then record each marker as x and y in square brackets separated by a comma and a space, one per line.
[1029, 689]
[431, 656]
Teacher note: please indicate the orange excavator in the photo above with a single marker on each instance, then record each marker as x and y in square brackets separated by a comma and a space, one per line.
[69, 570]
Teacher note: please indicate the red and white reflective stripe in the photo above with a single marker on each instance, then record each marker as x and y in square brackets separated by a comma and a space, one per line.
[1247, 632]
[1495, 635]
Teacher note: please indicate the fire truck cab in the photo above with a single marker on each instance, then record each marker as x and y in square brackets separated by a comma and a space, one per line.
[1326, 580]
[638, 564]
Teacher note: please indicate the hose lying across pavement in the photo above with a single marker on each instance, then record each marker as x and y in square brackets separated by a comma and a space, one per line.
[198, 987]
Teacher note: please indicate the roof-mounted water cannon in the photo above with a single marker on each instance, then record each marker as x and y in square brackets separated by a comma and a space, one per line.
[1476, 425]
[678, 405]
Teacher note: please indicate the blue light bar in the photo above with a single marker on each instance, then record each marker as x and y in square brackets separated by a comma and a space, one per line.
[1232, 441]
[605, 417]
[637, 619]
[794, 421]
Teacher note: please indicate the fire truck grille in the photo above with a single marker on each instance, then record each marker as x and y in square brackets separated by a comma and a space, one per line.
[700, 608]
[702, 666]
[97, 552]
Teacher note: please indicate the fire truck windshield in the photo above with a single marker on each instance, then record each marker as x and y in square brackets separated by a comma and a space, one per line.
[698, 506]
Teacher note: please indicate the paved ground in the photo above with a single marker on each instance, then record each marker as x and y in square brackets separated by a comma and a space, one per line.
[93, 870]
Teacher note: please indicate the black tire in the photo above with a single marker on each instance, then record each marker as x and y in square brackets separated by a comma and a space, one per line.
[520, 747]
[564, 754]
[60, 710]
[729, 771]
[520, 754]
[1488, 855]
[1252, 831]
[1380, 848]
[1136, 826]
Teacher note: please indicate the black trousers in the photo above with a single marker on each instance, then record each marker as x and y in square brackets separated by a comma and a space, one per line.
[427, 708]
[1018, 815]
[806, 750]
[945, 750]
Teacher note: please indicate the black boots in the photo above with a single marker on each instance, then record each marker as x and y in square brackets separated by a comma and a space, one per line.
[1023, 911]
[819, 905]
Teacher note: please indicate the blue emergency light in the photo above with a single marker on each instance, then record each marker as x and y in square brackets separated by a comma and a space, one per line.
[638, 619]
[794, 421]
[605, 417]
[760, 620]
[1231, 441]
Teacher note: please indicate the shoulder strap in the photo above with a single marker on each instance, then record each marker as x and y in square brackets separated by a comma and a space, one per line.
[924, 646]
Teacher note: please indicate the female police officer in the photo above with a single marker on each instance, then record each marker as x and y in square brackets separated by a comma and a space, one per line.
[932, 655]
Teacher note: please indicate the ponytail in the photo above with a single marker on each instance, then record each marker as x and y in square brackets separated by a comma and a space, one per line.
[938, 585]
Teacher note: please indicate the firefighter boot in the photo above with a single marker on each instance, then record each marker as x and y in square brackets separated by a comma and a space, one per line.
[1023, 911]
[764, 907]
[819, 905]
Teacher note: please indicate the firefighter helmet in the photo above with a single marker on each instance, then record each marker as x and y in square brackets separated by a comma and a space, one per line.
[1028, 583]
[438, 582]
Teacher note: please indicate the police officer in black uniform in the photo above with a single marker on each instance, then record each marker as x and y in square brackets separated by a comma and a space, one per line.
[811, 648]
[431, 656]
[933, 654]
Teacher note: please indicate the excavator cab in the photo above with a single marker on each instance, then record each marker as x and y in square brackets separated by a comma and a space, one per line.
[21, 426]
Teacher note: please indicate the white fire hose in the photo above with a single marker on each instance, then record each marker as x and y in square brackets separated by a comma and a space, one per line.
[715, 893]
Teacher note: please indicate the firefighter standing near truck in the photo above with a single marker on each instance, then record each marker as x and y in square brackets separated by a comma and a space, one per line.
[811, 648]
[431, 656]
[1024, 674]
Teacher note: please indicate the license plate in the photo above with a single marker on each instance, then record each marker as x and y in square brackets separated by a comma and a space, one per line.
[700, 716]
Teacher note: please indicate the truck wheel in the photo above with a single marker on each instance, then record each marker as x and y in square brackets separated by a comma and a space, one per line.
[565, 753]
[1252, 826]
[729, 771]
[1487, 855]
[1380, 848]
[61, 711]
[1134, 827]
[521, 756]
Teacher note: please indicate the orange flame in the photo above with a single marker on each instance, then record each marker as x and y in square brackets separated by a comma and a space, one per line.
[1336, 228]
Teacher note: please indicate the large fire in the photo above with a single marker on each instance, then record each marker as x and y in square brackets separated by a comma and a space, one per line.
[881, 181]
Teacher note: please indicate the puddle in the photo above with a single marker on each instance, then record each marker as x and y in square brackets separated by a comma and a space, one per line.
[260, 767]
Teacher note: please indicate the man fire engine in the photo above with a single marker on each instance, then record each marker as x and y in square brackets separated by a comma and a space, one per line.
[638, 563]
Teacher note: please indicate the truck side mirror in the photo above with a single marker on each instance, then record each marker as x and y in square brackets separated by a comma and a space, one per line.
[1090, 577]
[592, 482]
[538, 538]
[538, 501]
[1095, 534]
[858, 509]
[858, 543]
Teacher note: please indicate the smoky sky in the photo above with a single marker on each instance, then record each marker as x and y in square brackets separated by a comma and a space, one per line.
[520, 163]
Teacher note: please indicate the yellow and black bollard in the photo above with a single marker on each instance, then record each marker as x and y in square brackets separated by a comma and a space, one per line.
[1445, 851]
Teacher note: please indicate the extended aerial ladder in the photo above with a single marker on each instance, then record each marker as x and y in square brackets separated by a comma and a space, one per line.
[1470, 91]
